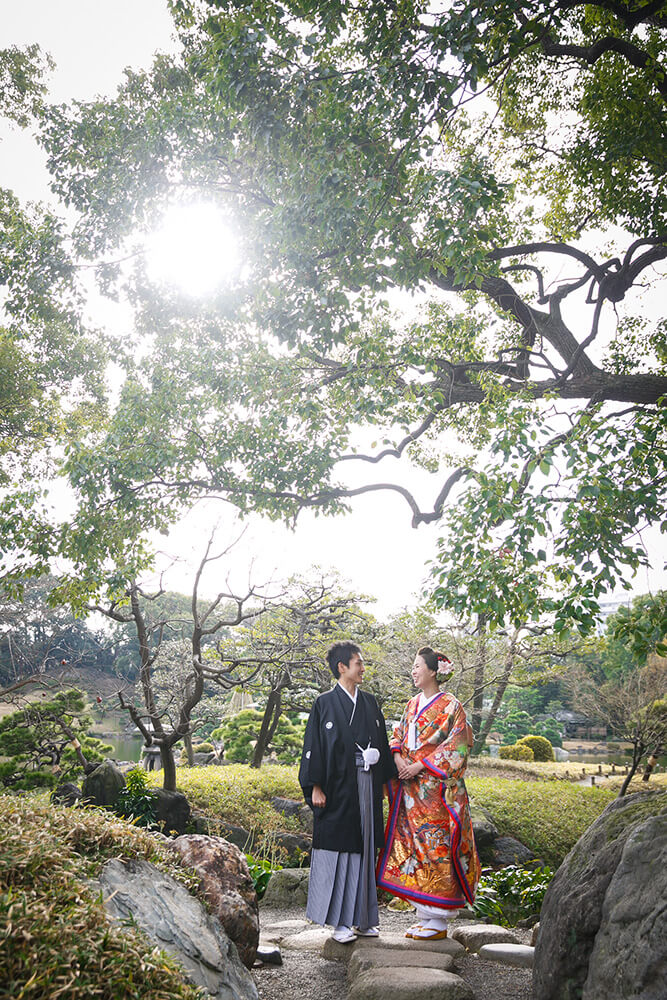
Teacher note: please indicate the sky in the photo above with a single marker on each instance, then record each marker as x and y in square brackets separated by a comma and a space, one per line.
[373, 547]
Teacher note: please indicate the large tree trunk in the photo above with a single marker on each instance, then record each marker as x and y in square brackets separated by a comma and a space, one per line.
[168, 767]
[272, 713]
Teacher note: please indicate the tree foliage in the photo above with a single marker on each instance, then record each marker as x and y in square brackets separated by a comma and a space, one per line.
[504, 162]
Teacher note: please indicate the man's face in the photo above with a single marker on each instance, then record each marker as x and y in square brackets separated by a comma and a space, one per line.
[355, 671]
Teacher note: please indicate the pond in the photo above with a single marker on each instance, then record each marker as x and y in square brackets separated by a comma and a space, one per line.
[124, 747]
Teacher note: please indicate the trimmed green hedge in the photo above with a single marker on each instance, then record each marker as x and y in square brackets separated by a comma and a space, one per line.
[546, 816]
[516, 751]
[540, 745]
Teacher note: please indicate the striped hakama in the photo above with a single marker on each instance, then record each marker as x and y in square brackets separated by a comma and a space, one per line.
[342, 888]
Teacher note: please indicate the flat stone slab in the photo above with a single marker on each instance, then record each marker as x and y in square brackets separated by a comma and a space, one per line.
[409, 984]
[519, 955]
[268, 954]
[474, 936]
[386, 941]
[309, 940]
[364, 959]
[280, 930]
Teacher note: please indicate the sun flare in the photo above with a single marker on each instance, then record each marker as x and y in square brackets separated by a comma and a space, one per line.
[194, 249]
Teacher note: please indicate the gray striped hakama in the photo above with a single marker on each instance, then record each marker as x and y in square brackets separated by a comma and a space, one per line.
[342, 888]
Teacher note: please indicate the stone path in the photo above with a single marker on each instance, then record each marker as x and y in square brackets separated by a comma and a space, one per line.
[393, 967]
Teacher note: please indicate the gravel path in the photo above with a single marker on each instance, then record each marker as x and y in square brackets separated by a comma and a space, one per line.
[308, 976]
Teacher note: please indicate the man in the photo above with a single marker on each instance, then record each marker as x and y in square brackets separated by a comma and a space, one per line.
[344, 766]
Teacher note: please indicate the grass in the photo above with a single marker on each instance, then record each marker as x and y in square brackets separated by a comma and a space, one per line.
[240, 794]
[570, 770]
[547, 817]
[55, 940]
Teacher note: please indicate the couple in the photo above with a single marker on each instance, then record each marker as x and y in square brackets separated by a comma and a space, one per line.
[429, 857]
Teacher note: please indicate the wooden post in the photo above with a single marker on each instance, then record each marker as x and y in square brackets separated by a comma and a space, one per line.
[592, 780]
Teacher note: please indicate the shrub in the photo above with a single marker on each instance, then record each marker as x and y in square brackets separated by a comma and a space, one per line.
[203, 748]
[546, 816]
[62, 945]
[261, 870]
[511, 894]
[542, 749]
[516, 751]
[135, 802]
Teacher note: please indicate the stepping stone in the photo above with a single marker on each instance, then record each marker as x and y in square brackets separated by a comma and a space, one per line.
[364, 959]
[409, 984]
[269, 954]
[310, 940]
[519, 955]
[396, 942]
[473, 936]
[280, 930]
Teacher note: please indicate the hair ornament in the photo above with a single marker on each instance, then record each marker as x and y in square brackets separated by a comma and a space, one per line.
[443, 663]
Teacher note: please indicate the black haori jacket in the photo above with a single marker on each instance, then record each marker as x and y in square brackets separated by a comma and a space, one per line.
[328, 760]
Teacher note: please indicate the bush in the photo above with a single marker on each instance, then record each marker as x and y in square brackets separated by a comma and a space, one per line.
[203, 748]
[546, 816]
[135, 802]
[516, 751]
[62, 944]
[511, 894]
[542, 749]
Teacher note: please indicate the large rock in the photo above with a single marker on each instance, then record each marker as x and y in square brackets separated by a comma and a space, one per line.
[67, 794]
[483, 826]
[505, 851]
[102, 786]
[227, 886]
[172, 810]
[288, 887]
[620, 856]
[178, 923]
[629, 956]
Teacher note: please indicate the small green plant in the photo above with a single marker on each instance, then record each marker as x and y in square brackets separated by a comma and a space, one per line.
[541, 747]
[511, 894]
[517, 751]
[203, 748]
[261, 870]
[135, 801]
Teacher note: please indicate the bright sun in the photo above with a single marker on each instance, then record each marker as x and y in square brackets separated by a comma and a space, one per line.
[194, 249]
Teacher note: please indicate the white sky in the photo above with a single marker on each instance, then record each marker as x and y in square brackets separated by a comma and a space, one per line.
[374, 547]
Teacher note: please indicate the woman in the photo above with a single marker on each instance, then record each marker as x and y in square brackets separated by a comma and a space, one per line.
[430, 856]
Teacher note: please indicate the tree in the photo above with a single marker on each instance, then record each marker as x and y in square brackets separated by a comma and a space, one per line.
[282, 654]
[47, 740]
[353, 154]
[634, 709]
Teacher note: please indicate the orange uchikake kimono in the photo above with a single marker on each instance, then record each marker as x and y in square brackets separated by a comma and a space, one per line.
[429, 855]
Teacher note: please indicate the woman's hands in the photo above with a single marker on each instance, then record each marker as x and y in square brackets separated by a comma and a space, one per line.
[318, 797]
[407, 771]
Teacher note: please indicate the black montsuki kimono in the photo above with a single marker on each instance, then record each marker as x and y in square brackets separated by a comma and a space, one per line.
[328, 760]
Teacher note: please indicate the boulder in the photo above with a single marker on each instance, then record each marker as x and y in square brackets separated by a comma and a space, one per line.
[236, 835]
[172, 810]
[178, 923]
[621, 856]
[505, 851]
[227, 886]
[67, 794]
[295, 847]
[473, 936]
[288, 887]
[101, 786]
[269, 954]
[483, 826]
[629, 957]
[287, 807]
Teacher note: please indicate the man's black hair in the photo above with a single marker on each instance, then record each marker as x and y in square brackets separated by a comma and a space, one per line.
[341, 652]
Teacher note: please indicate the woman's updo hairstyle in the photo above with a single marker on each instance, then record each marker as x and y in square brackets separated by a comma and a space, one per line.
[434, 660]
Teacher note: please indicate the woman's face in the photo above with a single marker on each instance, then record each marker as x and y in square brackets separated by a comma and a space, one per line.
[421, 675]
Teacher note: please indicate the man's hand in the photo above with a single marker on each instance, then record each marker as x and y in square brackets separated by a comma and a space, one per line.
[319, 798]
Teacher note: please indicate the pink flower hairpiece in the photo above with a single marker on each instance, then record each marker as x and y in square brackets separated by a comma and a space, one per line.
[443, 662]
